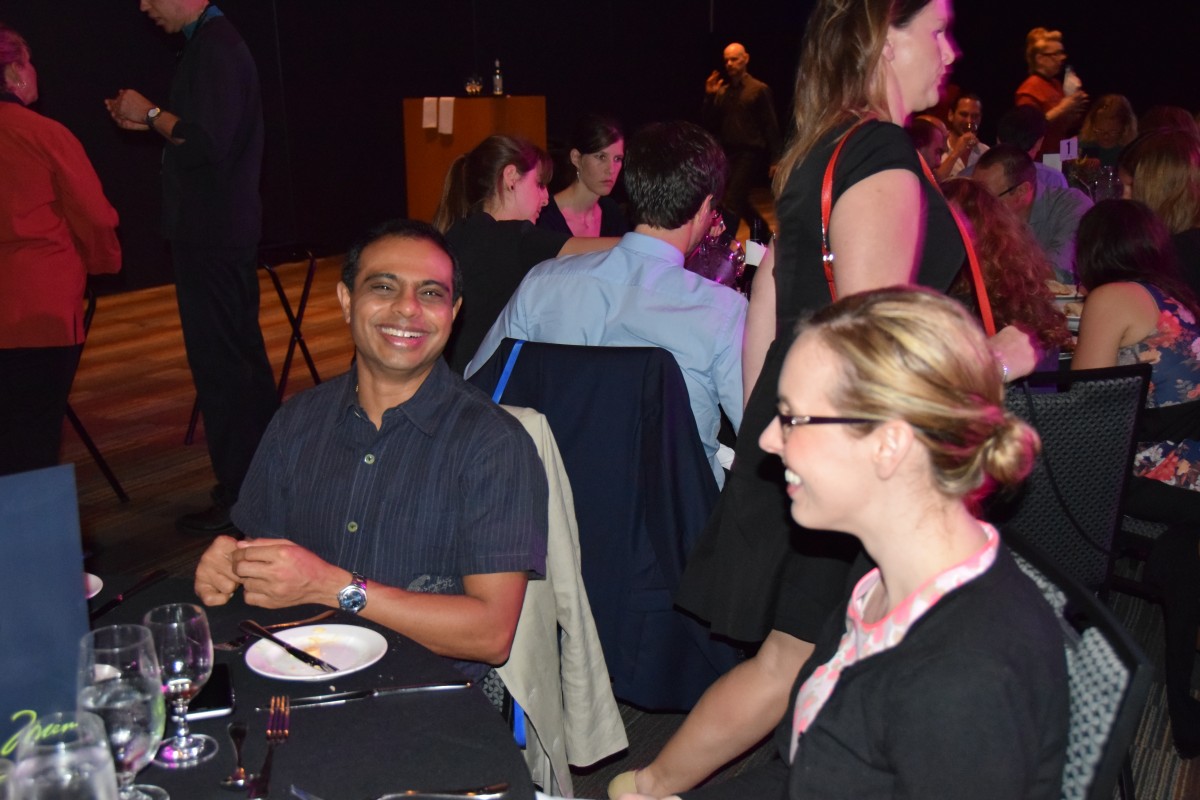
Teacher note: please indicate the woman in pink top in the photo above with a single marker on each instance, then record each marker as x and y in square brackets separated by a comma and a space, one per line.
[944, 674]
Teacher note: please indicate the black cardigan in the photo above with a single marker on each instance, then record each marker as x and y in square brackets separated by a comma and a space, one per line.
[972, 703]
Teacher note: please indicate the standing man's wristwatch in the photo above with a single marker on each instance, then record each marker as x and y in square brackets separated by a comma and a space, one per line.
[354, 597]
[152, 116]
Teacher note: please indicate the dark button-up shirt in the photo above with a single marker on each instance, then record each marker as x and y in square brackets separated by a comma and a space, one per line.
[449, 485]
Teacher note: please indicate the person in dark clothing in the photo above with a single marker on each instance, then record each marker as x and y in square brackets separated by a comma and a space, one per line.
[212, 217]
[944, 672]
[741, 114]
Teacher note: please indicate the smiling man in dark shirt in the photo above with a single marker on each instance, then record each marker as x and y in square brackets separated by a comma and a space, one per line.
[396, 491]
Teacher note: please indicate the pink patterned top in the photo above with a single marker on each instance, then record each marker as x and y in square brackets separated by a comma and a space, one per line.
[863, 639]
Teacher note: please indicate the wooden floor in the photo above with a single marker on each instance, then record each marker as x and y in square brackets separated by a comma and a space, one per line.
[134, 394]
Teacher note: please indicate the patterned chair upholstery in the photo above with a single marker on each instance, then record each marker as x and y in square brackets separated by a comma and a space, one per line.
[1070, 506]
[1109, 677]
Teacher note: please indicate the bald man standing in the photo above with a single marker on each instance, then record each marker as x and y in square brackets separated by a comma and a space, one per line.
[741, 114]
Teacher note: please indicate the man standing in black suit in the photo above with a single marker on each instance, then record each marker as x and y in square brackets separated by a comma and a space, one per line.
[741, 114]
[212, 217]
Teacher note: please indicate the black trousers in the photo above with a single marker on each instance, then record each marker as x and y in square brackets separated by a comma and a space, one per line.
[217, 292]
[747, 171]
[34, 385]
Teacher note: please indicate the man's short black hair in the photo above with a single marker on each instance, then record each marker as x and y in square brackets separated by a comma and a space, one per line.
[1016, 163]
[670, 167]
[401, 229]
[1021, 127]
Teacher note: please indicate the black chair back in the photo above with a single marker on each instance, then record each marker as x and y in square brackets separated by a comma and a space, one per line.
[1070, 506]
[643, 490]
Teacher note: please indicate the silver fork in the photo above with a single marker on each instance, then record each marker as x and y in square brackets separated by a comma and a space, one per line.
[278, 724]
[239, 642]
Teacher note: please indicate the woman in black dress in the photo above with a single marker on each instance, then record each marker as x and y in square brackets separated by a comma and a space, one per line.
[755, 576]
[492, 198]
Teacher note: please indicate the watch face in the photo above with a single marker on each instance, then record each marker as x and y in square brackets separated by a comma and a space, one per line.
[352, 599]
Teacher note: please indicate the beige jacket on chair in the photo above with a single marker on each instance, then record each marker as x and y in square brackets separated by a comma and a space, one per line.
[556, 670]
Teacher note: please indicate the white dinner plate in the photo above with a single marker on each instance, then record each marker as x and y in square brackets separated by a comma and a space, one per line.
[347, 647]
[91, 585]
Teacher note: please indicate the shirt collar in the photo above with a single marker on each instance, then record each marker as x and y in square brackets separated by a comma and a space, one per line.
[648, 245]
[208, 13]
[424, 409]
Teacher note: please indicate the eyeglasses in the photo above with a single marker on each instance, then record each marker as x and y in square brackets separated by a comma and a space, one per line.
[1055, 54]
[788, 421]
[1012, 188]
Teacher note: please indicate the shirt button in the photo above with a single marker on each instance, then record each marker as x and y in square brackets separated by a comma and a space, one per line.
[352, 527]
[369, 458]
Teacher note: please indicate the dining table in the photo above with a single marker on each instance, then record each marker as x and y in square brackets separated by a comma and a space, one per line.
[426, 741]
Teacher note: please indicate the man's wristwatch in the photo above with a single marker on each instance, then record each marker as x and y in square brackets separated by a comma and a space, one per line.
[354, 597]
[152, 116]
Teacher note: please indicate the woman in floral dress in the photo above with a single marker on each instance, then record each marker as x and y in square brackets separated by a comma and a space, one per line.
[1140, 309]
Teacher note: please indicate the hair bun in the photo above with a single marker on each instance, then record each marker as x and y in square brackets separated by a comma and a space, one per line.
[1009, 454]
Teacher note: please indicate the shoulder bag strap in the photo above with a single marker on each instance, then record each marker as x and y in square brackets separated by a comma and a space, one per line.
[985, 306]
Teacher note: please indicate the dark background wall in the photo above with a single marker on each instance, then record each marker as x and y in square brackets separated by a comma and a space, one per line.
[334, 74]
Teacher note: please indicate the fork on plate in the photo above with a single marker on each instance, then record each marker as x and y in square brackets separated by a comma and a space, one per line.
[278, 727]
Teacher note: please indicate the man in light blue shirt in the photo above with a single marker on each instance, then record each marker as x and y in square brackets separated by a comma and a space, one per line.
[638, 294]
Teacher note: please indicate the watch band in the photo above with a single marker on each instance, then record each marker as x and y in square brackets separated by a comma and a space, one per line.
[152, 116]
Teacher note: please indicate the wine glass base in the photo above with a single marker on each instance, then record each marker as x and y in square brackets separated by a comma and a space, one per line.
[143, 791]
[196, 749]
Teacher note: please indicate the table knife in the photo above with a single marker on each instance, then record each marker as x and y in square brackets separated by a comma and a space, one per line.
[497, 791]
[146, 581]
[340, 698]
[254, 629]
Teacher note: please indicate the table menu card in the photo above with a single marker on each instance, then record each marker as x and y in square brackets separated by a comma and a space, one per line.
[43, 613]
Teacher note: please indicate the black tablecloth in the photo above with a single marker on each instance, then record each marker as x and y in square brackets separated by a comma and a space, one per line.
[365, 748]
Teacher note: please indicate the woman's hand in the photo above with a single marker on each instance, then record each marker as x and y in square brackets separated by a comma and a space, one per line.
[1017, 350]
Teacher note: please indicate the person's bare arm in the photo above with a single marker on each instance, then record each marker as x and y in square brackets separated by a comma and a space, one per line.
[760, 324]
[874, 235]
[475, 626]
[874, 232]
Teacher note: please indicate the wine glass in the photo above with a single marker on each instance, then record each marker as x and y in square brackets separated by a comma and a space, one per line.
[6, 780]
[120, 681]
[64, 756]
[185, 653]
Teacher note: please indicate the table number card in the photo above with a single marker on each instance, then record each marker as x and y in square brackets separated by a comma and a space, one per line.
[43, 612]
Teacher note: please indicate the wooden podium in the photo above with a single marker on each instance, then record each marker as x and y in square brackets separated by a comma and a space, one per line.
[428, 154]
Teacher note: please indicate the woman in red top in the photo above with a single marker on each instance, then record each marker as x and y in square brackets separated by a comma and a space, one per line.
[56, 227]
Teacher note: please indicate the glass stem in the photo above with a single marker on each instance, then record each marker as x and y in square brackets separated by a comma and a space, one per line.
[182, 732]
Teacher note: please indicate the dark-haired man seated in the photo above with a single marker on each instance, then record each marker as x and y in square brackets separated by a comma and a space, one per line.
[638, 294]
[1053, 215]
[396, 491]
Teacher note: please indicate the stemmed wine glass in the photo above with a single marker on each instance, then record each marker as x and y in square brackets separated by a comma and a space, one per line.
[185, 652]
[120, 681]
[64, 755]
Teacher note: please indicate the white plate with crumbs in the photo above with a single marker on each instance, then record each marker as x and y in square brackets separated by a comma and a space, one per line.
[350, 648]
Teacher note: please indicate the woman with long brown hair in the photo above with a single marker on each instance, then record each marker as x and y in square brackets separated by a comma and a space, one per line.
[865, 67]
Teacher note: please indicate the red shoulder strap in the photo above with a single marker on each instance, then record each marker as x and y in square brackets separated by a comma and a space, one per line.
[827, 206]
[985, 306]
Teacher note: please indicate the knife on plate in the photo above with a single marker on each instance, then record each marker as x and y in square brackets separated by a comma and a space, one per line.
[146, 581]
[340, 698]
[254, 629]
